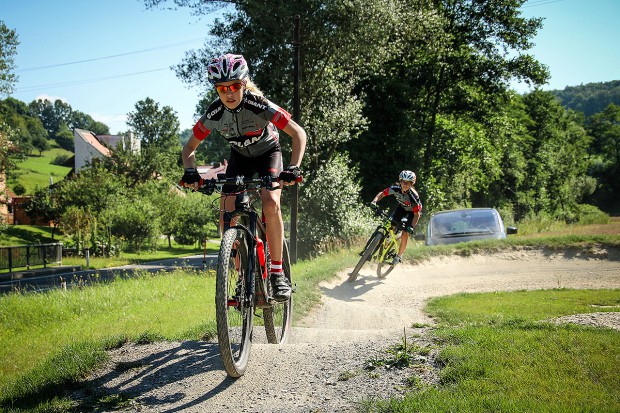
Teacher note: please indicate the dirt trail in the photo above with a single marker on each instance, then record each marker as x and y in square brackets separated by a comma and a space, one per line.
[321, 370]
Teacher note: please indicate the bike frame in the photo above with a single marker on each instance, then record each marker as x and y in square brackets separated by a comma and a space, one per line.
[244, 209]
[389, 240]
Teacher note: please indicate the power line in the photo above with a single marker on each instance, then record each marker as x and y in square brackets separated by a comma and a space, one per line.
[539, 3]
[80, 82]
[168, 46]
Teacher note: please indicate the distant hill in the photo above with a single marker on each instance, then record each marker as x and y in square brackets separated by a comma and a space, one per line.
[590, 98]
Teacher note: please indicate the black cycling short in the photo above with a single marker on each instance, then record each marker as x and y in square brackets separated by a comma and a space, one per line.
[267, 164]
[400, 213]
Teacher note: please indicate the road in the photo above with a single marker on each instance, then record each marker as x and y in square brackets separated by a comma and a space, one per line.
[73, 278]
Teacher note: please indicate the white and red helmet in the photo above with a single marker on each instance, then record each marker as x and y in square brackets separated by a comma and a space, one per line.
[407, 176]
[227, 67]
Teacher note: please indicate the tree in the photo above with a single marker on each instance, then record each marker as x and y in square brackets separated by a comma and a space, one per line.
[343, 43]
[64, 137]
[604, 127]
[196, 219]
[46, 206]
[41, 144]
[158, 130]
[557, 158]
[52, 114]
[8, 49]
[81, 120]
[134, 220]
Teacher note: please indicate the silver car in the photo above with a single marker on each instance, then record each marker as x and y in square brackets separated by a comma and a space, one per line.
[462, 225]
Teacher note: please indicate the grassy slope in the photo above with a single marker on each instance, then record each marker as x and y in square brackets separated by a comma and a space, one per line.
[35, 171]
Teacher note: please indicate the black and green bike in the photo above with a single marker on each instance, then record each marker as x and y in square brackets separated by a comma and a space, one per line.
[381, 247]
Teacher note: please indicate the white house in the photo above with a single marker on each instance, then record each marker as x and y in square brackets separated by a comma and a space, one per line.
[89, 146]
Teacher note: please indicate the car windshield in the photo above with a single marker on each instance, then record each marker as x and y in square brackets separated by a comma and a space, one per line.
[464, 222]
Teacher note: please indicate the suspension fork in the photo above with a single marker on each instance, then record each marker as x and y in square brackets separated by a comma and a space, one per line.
[252, 245]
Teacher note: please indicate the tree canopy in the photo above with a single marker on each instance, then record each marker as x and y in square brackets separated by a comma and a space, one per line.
[8, 49]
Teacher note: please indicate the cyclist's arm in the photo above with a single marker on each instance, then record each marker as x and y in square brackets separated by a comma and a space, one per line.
[378, 197]
[299, 141]
[416, 218]
[188, 153]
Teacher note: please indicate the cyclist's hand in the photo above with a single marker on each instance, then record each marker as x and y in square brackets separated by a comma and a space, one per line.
[191, 178]
[290, 175]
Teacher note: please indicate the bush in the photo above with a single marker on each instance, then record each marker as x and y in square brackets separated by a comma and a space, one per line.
[61, 159]
[589, 214]
[19, 189]
[332, 213]
[136, 221]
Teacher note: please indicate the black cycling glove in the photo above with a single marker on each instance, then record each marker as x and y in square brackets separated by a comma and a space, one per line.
[190, 177]
[290, 174]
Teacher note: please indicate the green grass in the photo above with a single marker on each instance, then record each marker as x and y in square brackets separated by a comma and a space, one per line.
[35, 171]
[28, 234]
[85, 322]
[499, 353]
[39, 328]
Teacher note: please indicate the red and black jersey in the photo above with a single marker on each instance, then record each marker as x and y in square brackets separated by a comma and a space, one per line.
[251, 128]
[409, 201]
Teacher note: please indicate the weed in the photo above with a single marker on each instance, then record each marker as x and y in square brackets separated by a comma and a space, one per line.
[398, 356]
[347, 375]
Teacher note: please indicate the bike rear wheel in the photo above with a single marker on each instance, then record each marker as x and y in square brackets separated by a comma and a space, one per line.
[234, 310]
[385, 267]
[278, 318]
[375, 239]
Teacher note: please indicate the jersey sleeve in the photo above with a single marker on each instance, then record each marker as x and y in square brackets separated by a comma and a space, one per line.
[281, 118]
[200, 131]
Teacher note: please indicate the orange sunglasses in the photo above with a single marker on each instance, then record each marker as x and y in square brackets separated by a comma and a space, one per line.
[233, 88]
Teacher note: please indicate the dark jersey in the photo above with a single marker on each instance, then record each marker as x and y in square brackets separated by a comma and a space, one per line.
[409, 201]
[251, 128]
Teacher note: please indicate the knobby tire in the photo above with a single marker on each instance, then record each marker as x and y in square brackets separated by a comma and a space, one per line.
[278, 318]
[367, 254]
[234, 323]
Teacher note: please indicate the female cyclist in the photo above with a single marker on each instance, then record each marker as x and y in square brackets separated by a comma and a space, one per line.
[250, 124]
[409, 205]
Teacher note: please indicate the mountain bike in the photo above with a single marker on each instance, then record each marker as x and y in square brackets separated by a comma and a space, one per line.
[381, 247]
[242, 276]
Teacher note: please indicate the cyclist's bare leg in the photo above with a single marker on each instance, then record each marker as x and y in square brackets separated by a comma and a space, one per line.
[275, 239]
[227, 203]
[403, 243]
[275, 226]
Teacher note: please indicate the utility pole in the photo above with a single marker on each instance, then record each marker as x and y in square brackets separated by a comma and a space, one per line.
[296, 118]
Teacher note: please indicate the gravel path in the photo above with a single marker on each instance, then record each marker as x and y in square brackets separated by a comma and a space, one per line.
[322, 369]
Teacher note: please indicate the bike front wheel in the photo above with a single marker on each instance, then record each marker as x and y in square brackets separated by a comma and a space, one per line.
[375, 239]
[278, 317]
[234, 309]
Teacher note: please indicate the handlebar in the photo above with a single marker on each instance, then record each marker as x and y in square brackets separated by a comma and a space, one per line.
[399, 225]
[209, 185]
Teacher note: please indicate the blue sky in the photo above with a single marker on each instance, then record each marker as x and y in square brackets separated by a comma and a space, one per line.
[125, 51]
